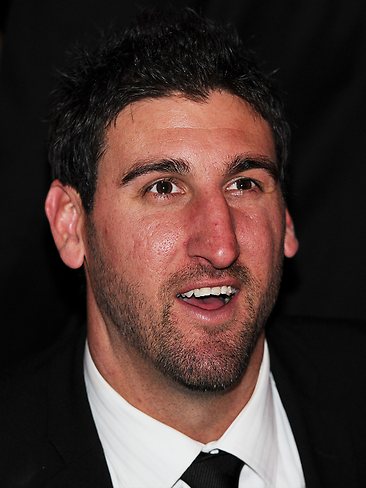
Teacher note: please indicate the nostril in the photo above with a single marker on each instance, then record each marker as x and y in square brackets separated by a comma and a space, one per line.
[221, 250]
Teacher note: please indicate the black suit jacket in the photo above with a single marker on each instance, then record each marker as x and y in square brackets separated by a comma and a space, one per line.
[48, 438]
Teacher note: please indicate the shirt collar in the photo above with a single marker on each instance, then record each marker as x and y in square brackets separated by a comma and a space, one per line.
[252, 436]
[130, 437]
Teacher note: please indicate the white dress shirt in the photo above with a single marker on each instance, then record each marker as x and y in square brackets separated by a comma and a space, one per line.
[142, 452]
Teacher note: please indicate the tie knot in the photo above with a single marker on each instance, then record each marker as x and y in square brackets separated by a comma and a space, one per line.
[220, 470]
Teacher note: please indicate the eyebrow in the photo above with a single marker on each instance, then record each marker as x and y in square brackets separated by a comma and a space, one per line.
[239, 164]
[140, 168]
[243, 163]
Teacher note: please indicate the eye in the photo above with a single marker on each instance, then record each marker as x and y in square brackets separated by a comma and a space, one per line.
[243, 184]
[163, 187]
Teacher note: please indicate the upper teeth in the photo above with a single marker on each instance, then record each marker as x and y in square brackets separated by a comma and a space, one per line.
[204, 292]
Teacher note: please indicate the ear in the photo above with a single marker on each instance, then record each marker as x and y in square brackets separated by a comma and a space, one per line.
[291, 243]
[65, 214]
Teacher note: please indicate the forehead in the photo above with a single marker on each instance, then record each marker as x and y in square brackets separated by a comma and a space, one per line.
[212, 130]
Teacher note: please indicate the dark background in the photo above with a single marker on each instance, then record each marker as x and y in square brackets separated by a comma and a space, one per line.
[318, 48]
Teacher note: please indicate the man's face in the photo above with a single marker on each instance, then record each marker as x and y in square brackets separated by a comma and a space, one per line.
[186, 239]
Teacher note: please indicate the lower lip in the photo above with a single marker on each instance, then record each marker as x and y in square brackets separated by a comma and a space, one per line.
[215, 316]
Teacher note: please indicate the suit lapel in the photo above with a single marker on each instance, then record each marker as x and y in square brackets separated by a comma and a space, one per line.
[300, 364]
[75, 457]
[292, 406]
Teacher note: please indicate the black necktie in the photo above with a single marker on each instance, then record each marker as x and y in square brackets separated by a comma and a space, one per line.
[221, 470]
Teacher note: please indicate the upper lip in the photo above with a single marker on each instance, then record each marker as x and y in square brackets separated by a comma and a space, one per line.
[229, 282]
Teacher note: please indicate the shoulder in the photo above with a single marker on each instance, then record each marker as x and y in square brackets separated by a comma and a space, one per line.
[319, 366]
[328, 341]
[29, 377]
[26, 394]
[325, 352]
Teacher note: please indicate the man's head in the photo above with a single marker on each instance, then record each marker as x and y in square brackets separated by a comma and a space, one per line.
[180, 220]
[160, 55]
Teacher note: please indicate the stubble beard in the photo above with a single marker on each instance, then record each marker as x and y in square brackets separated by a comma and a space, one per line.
[201, 359]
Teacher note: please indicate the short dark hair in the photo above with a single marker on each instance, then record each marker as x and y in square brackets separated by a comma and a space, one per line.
[162, 53]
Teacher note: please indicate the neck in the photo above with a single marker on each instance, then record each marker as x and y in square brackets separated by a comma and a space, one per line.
[203, 416]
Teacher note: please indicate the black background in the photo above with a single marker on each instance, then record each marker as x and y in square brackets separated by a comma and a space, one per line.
[319, 50]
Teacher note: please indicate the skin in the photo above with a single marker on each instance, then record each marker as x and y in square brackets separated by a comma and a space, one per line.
[158, 229]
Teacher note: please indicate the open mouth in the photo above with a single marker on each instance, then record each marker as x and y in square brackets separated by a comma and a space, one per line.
[209, 298]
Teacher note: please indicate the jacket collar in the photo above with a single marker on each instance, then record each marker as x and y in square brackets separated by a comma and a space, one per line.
[298, 366]
[75, 457]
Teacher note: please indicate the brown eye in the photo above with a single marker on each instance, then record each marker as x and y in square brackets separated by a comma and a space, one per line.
[242, 184]
[164, 187]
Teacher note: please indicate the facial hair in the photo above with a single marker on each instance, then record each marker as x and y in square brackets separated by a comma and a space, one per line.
[199, 358]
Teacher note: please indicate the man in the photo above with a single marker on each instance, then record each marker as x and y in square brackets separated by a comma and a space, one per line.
[168, 149]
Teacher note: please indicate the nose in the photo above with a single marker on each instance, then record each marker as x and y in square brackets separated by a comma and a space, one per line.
[213, 236]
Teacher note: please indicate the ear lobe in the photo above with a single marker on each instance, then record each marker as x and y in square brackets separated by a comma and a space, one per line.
[65, 214]
[291, 243]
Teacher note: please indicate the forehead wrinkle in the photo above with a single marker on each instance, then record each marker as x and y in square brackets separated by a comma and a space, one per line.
[143, 167]
[242, 163]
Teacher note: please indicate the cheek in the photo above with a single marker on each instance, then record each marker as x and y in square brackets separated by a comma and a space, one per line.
[140, 245]
[155, 244]
[261, 241]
